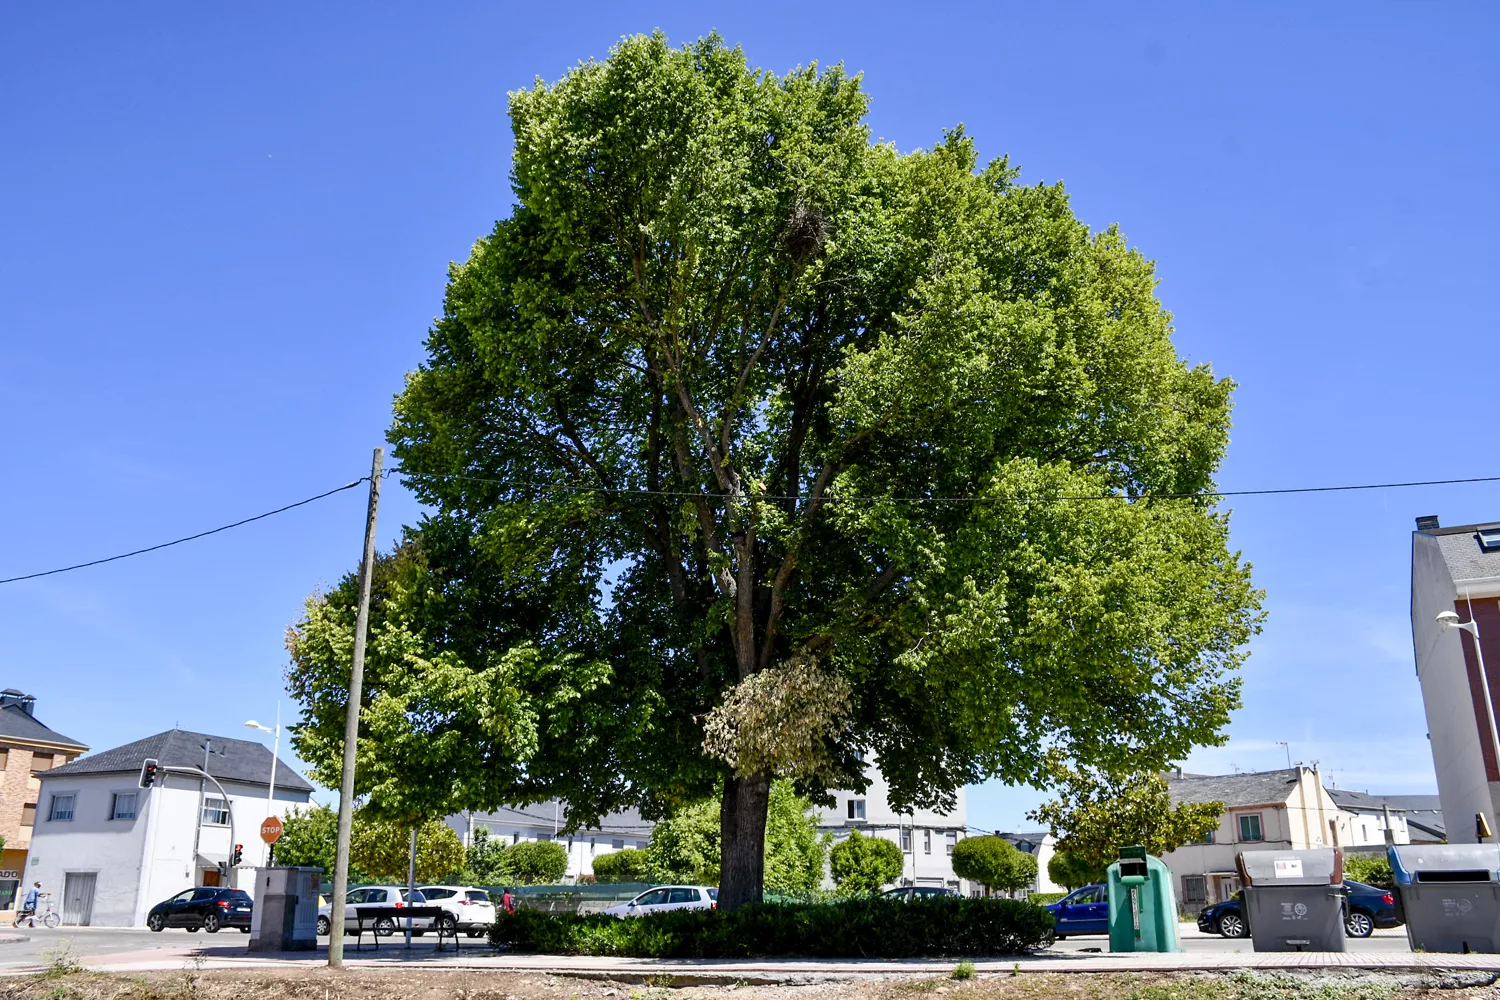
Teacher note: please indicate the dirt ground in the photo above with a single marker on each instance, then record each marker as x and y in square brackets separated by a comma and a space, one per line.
[392, 984]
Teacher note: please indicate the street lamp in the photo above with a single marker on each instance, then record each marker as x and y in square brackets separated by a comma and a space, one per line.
[271, 791]
[1449, 619]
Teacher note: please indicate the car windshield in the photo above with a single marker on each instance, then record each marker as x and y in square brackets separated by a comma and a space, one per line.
[238, 895]
[713, 894]
[477, 895]
[413, 897]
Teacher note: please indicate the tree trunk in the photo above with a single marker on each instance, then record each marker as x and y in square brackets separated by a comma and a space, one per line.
[742, 830]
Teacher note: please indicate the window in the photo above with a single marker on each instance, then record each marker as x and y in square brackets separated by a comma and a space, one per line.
[122, 805]
[1489, 537]
[41, 762]
[1208, 838]
[617, 844]
[543, 837]
[62, 808]
[926, 841]
[656, 897]
[1194, 889]
[952, 840]
[515, 838]
[215, 811]
[477, 895]
[856, 808]
[1250, 827]
[906, 840]
[432, 893]
[593, 844]
[683, 896]
[28, 814]
[4, 759]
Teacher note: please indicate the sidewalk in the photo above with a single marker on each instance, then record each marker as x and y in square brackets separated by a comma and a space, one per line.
[688, 971]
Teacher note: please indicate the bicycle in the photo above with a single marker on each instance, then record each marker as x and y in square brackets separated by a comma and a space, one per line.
[49, 916]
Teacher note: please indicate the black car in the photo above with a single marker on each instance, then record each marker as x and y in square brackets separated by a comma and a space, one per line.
[910, 892]
[207, 907]
[1368, 907]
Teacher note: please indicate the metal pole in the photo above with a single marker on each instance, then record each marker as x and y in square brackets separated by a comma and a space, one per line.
[351, 725]
[198, 827]
[228, 809]
[271, 793]
[411, 880]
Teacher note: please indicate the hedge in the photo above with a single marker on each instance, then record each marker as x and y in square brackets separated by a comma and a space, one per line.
[856, 928]
[1043, 898]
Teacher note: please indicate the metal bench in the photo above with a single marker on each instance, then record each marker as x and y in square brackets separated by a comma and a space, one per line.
[442, 922]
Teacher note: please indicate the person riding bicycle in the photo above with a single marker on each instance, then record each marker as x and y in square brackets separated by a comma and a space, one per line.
[29, 905]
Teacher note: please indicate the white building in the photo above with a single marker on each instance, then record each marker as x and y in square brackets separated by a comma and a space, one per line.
[926, 838]
[1041, 845]
[1457, 571]
[108, 850]
[1365, 818]
[545, 821]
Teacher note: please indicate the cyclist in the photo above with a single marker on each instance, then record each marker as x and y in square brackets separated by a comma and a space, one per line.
[28, 906]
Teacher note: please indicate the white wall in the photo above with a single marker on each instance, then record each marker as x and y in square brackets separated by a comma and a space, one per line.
[928, 861]
[1451, 725]
[143, 861]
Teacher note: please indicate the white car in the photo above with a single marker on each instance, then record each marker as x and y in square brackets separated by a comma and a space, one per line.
[375, 895]
[668, 897]
[471, 908]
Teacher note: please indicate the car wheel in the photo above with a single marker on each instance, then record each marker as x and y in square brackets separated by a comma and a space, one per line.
[244, 930]
[385, 927]
[322, 927]
[474, 934]
[211, 923]
[450, 925]
[156, 923]
[1232, 925]
[1359, 925]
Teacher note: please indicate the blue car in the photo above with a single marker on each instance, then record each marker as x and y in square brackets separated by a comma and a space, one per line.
[1082, 911]
[1367, 908]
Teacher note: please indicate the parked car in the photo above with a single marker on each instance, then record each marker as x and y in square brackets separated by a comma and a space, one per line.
[471, 908]
[1082, 911]
[1367, 907]
[668, 897]
[208, 907]
[376, 895]
[910, 892]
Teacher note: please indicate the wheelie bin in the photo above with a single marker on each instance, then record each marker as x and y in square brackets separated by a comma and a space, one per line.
[1142, 905]
[1294, 900]
[1450, 895]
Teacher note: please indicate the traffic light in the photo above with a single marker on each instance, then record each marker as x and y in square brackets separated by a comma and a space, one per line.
[150, 772]
[239, 852]
[223, 873]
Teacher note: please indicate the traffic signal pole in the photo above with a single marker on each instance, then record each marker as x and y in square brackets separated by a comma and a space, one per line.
[351, 726]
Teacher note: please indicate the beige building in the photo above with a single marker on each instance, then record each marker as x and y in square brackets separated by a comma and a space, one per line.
[1263, 811]
[27, 748]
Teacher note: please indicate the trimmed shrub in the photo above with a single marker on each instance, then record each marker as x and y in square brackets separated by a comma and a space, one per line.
[1043, 898]
[863, 864]
[853, 928]
[540, 862]
[628, 865]
[1369, 870]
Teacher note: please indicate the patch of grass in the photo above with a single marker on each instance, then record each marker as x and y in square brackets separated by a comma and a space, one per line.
[963, 970]
[61, 961]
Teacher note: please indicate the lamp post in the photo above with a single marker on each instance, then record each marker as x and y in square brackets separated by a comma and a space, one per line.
[1449, 619]
[276, 744]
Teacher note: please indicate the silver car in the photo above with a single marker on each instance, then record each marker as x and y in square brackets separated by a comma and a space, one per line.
[668, 897]
[471, 908]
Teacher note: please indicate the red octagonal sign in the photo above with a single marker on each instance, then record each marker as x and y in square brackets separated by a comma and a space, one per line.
[270, 830]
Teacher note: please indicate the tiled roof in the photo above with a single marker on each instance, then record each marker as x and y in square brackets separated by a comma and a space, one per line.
[17, 725]
[1252, 788]
[1423, 812]
[245, 761]
[545, 814]
[1460, 547]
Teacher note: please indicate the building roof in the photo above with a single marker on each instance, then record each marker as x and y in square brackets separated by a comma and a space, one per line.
[1466, 558]
[1252, 788]
[545, 814]
[1424, 813]
[1354, 801]
[1028, 842]
[18, 724]
[245, 761]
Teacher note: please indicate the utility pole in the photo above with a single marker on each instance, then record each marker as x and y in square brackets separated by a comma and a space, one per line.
[351, 726]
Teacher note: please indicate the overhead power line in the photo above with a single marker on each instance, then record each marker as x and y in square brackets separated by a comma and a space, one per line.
[582, 488]
[972, 498]
[186, 538]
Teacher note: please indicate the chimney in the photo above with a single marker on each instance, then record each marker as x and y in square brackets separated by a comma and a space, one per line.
[1428, 522]
[10, 696]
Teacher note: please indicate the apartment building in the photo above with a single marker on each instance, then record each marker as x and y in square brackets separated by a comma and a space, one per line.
[926, 837]
[27, 748]
[545, 821]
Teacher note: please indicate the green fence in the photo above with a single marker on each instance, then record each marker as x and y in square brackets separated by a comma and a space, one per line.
[549, 898]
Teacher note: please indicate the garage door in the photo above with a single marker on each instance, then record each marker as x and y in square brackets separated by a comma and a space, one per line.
[78, 898]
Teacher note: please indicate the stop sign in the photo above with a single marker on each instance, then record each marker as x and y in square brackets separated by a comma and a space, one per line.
[270, 830]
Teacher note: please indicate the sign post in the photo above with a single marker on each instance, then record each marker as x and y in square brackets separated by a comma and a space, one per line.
[270, 832]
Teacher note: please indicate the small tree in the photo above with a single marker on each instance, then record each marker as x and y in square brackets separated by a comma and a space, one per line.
[382, 850]
[862, 865]
[542, 862]
[485, 859]
[309, 838]
[1071, 871]
[1098, 813]
[628, 865]
[795, 854]
[1369, 870]
[685, 847]
[994, 863]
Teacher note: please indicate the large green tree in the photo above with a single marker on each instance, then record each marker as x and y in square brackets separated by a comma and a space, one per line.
[750, 444]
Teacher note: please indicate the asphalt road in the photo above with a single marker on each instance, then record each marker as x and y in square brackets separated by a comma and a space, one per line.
[83, 942]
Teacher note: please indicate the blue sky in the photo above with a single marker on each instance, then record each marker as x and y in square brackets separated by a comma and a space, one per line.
[225, 231]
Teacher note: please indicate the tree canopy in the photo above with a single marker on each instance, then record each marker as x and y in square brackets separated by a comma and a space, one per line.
[995, 863]
[751, 445]
[862, 865]
[1097, 814]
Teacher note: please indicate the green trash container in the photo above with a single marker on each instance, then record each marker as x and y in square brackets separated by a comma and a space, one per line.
[1142, 905]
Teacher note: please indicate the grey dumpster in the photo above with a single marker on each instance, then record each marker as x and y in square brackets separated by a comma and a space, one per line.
[1450, 895]
[1294, 900]
[285, 917]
